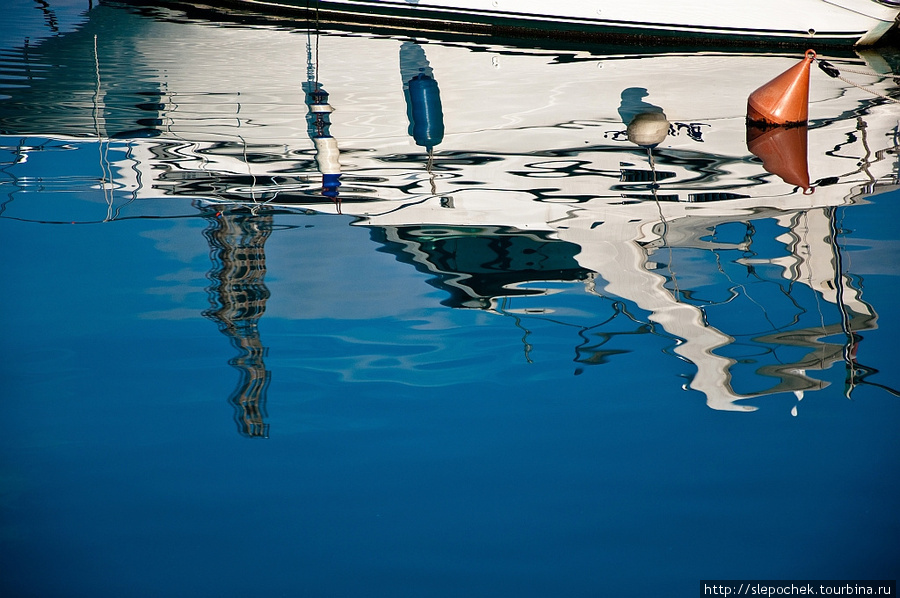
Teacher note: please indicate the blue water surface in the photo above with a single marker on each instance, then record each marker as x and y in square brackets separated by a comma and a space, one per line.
[449, 465]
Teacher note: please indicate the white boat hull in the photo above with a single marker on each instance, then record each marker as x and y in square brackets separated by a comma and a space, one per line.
[846, 22]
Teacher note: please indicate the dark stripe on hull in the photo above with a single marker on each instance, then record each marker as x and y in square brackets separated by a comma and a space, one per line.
[408, 19]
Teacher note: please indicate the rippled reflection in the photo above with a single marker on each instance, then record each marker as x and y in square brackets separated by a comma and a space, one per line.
[514, 179]
[237, 297]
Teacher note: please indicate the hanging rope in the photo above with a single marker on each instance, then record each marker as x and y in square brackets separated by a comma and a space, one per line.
[830, 70]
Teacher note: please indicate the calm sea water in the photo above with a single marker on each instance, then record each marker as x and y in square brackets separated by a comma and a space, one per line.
[464, 335]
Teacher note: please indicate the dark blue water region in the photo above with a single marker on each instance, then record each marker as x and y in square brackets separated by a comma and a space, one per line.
[27, 23]
[413, 449]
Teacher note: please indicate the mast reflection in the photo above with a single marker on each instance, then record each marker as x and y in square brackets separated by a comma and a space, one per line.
[237, 296]
[318, 127]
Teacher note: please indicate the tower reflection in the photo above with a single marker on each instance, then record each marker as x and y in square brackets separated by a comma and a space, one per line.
[237, 296]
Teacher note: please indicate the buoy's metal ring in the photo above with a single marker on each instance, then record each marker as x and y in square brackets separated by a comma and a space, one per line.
[810, 54]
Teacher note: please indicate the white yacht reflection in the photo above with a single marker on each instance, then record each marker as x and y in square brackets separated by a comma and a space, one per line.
[616, 257]
[524, 169]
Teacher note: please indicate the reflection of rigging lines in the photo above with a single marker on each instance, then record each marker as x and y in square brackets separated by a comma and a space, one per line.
[856, 372]
[588, 351]
[662, 219]
[848, 300]
[106, 180]
[21, 156]
[595, 354]
[429, 168]
[866, 160]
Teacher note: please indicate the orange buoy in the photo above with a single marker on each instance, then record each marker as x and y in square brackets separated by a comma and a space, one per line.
[784, 100]
[782, 151]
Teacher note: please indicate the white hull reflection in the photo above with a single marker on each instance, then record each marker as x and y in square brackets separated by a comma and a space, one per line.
[523, 143]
